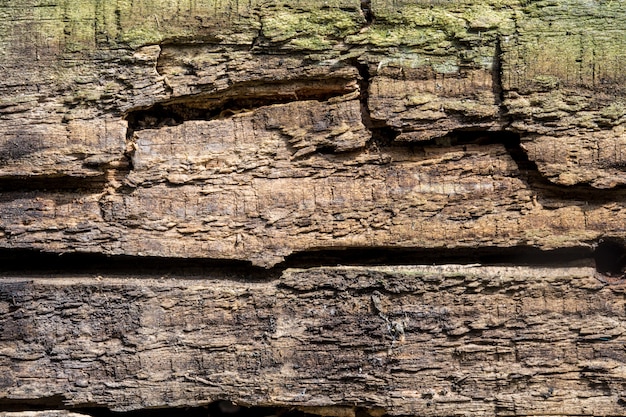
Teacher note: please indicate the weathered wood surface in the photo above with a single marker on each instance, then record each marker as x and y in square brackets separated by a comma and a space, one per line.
[232, 130]
[243, 130]
[428, 341]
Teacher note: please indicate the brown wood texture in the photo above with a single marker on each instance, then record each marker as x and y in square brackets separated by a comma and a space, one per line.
[251, 141]
[440, 340]
[294, 127]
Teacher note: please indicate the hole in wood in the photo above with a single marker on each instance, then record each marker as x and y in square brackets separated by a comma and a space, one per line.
[610, 257]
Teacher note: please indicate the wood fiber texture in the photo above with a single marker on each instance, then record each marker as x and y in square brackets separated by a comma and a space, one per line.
[252, 134]
[250, 131]
[442, 340]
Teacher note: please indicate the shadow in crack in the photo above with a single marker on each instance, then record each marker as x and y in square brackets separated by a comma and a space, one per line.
[547, 192]
[216, 409]
[242, 97]
[63, 183]
[486, 256]
[610, 258]
[25, 262]
[221, 408]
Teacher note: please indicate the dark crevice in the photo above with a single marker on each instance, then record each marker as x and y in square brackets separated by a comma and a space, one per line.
[84, 172]
[29, 261]
[364, 85]
[215, 409]
[609, 258]
[260, 40]
[244, 97]
[496, 74]
[63, 183]
[508, 139]
[382, 134]
[104, 175]
[55, 402]
[485, 256]
[366, 9]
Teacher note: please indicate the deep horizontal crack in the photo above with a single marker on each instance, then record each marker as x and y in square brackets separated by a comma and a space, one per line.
[61, 183]
[99, 172]
[76, 263]
[486, 256]
[54, 402]
[28, 262]
[236, 99]
[222, 408]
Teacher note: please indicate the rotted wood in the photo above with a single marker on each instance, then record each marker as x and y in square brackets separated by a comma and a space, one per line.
[256, 134]
[439, 340]
[251, 132]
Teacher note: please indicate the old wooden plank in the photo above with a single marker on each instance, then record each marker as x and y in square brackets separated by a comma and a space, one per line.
[411, 340]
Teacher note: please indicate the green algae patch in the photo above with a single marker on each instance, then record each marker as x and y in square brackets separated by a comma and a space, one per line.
[614, 111]
[386, 35]
[446, 36]
[87, 25]
[310, 29]
[568, 44]
[456, 19]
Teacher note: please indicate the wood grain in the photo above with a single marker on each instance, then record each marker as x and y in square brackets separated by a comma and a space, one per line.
[406, 340]
[253, 134]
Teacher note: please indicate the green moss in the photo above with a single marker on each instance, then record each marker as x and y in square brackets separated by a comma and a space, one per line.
[405, 60]
[614, 111]
[310, 29]
[421, 98]
[416, 16]
[466, 33]
[546, 82]
[312, 43]
[577, 42]
[283, 25]
[335, 22]
[142, 36]
[447, 67]
[389, 35]
[454, 18]
[471, 108]
[485, 18]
